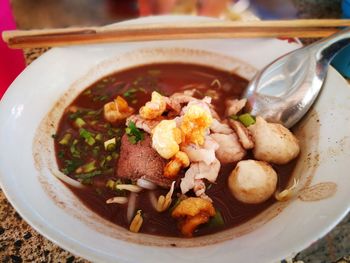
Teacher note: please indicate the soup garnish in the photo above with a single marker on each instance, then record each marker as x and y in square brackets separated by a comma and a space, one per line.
[166, 149]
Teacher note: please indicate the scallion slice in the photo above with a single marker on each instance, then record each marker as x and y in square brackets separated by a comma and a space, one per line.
[133, 133]
[79, 122]
[96, 151]
[246, 119]
[234, 117]
[110, 184]
[66, 138]
[89, 139]
[99, 137]
[217, 220]
[89, 167]
[73, 149]
[88, 175]
[110, 145]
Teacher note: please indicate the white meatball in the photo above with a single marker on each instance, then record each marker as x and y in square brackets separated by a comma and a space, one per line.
[273, 142]
[252, 182]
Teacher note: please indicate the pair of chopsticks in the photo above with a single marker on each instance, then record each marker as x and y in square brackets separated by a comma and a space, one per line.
[309, 28]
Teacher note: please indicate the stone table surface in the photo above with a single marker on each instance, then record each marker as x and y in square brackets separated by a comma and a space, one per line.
[20, 243]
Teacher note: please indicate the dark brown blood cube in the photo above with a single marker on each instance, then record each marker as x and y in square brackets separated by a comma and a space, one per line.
[140, 160]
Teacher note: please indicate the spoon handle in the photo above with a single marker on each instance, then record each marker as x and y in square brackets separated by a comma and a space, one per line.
[326, 49]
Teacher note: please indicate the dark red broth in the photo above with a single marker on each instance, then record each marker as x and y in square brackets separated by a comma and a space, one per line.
[136, 85]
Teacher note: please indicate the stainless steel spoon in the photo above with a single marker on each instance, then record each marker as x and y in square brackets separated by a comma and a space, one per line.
[285, 89]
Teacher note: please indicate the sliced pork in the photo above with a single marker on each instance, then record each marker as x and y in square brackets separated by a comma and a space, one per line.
[230, 150]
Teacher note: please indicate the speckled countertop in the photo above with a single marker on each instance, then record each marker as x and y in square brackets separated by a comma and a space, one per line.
[20, 243]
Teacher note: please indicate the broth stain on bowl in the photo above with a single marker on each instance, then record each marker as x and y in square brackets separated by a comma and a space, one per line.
[318, 192]
[307, 131]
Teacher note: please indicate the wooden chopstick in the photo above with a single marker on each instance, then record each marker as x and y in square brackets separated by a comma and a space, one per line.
[312, 28]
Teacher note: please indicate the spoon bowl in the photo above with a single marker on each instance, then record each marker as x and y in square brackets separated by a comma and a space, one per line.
[285, 89]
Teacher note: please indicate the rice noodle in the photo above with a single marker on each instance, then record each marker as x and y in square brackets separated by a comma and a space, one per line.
[68, 180]
[128, 187]
[131, 206]
[117, 200]
[146, 184]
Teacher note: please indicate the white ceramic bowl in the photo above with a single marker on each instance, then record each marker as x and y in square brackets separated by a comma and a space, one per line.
[30, 110]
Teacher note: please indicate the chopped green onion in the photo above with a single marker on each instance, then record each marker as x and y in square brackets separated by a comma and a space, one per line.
[133, 133]
[103, 98]
[75, 115]
[93, 123]
[130, 93]
[110, 132]
[89, 167]
[74, 150]
[71, 165]
[86, 178]
[100, 98]
[86, 181]
[143, 90]
[138, 80]
[113, 131]
[246, 119]
[87, 92]
[60, 154]
[96, 151]
[102, 163]
[66, 138]
[154, 72]
[111, 147]
[88, 175]
[110, 142]
[110, 184]
[217, 220]
[116, 130]
[115, 155]
[79, 122]
[99, 137]
[234, 117]
[92, 113]
[109, 158]
[89, 139]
